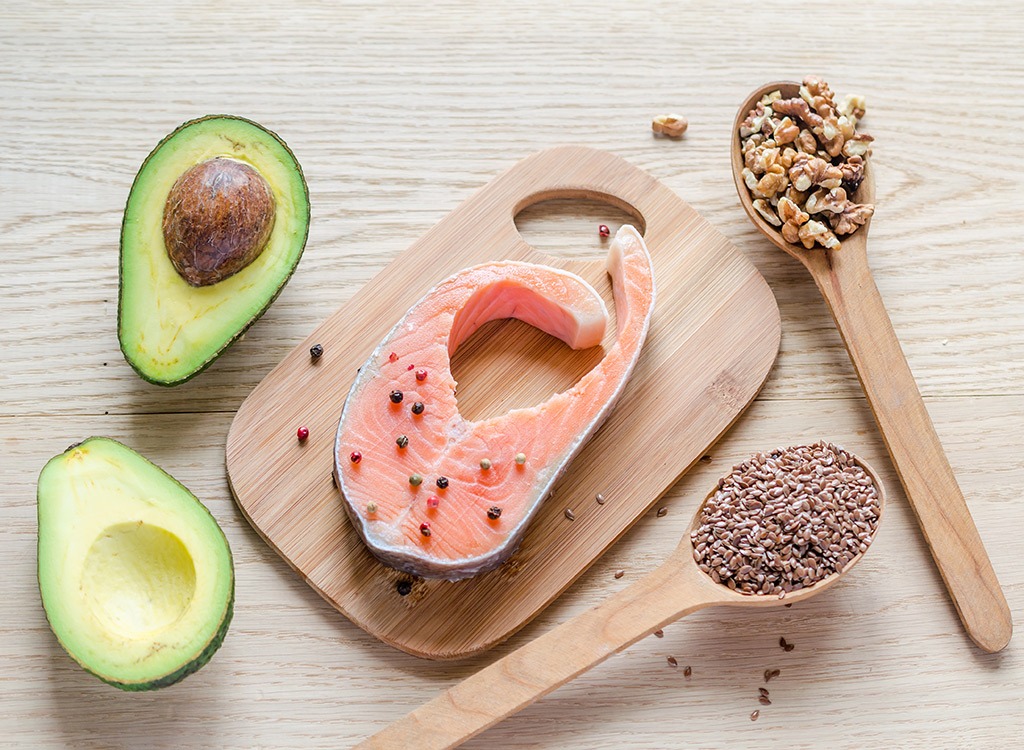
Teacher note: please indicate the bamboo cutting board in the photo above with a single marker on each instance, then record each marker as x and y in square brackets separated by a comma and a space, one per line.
[713, 339]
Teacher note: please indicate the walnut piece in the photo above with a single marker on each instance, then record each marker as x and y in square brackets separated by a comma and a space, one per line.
[774, 181]
[764, 208]
[851, 217]
[859, 145]
[853, 105]
[814, 171]
[814, 231]
[833, 201]
[671, 125]
[786, 131]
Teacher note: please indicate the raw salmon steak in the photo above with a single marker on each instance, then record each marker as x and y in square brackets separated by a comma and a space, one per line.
[439, 496]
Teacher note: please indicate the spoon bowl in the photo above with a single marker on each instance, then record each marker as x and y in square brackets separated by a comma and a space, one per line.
[844, 279]
[865, 193]
[673, 590]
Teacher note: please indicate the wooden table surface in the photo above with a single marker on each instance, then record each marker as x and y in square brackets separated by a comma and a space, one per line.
[397, 114]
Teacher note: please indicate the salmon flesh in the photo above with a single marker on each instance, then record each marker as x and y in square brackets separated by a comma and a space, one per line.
[438, 496]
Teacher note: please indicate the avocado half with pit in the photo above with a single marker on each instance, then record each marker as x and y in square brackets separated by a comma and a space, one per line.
[215, 224]
[136, 576]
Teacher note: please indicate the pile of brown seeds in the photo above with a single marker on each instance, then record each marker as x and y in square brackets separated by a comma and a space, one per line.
[784, 520]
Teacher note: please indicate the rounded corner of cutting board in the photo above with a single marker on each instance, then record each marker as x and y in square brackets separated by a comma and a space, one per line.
[729, 343]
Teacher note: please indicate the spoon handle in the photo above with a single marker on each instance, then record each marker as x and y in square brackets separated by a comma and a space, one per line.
[528, 674]
[845, 281]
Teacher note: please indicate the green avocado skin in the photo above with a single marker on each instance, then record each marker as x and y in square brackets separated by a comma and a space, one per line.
[154, 378]
[215, 642]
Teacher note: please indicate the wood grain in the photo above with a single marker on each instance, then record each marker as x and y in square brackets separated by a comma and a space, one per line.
[397, 115]
[713, 338]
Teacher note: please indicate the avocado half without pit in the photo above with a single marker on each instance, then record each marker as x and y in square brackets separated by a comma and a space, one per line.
[136, 576]
[215, 224]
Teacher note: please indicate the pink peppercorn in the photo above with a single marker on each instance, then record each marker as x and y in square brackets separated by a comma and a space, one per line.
[433, 501]
[302, 433]
[425, 529]
[421, 375]
[356, 457]
[604, 231]
[392, 357]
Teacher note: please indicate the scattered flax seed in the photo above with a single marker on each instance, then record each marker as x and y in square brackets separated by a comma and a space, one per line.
[754, 715]
[782, 642]
[570, 515]
[334, 479]
[687, 671]
[785, 645]
[672, 661]
[764, 701]
[790, 647]
[763, 692]
[786, 519]
[706, 459]
[659, 633]
[771, 673]
[662, 512]
[600, 498]
[619, 574]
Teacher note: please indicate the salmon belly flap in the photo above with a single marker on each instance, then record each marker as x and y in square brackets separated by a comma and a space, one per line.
[439, 496]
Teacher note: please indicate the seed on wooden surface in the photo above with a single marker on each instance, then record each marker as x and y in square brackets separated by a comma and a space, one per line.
[600, 498]
[316, 351]
[334, 479]
[662, 512]
[782, 642]
[403, 587]
[603, 230]
[754, 715]
[763, 692]
[764, 701]
[687, 671]
[302, 433]
[789, 647]
[672, 661]
[570, 515]
[659, 633]
[769, 674]
[705, 458]
[619, 573]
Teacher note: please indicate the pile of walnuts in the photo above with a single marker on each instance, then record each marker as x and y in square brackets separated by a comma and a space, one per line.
[803, 158]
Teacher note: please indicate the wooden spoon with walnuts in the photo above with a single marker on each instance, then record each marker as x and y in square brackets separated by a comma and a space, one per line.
[844, 279]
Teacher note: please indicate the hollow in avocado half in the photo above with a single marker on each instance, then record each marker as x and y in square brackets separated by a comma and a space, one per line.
[215, 224]
[136, 576]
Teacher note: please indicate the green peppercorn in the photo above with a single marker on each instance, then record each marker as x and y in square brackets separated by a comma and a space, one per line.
[485, 463]
[415, 480]
[520, 458]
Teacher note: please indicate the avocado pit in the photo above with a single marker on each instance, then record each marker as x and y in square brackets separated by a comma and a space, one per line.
[217, 220]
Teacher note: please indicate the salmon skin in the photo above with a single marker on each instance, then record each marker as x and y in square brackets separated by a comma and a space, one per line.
[438, 496]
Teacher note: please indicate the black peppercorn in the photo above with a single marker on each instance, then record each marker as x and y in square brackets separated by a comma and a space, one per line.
[402, 441]
[417, 408]
[403, 587]
[316, 351]
[396, 397]
[494, 513]
[442, 482]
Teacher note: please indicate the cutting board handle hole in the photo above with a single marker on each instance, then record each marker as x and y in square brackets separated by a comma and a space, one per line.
[565, 223]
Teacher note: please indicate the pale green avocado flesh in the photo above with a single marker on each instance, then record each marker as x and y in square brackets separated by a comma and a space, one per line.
[170, 331]
[135, 574]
